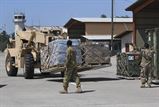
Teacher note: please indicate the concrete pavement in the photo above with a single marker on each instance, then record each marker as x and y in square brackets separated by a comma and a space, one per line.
[102, 88]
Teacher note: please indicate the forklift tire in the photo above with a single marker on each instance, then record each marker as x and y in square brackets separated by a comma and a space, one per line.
[29, 66]
[10, 69]
[62, 73]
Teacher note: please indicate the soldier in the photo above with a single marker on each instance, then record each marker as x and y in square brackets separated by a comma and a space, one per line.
[146, 66]
[71, 69]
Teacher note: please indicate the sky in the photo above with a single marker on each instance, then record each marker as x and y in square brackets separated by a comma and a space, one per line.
[58, 12]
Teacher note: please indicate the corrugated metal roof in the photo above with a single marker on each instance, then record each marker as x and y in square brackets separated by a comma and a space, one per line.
[123, 34]
[138, 3]
[97, 37]
[45, 27]
[103, 19]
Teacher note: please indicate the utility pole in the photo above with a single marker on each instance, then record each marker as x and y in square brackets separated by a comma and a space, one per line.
[112, 26]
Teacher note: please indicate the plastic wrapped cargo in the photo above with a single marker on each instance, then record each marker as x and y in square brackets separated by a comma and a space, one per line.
[55, 53]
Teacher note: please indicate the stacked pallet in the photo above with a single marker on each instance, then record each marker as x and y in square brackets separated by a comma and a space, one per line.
[96, 53]
[128, 64]
[55, 53]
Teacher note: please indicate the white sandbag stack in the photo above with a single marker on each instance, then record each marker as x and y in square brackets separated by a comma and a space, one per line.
[55, 53]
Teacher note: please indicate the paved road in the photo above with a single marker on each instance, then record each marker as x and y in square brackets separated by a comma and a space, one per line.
[101, 87]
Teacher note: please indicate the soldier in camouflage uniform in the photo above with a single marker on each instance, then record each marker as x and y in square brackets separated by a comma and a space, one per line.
[71, 70]
[146, 66]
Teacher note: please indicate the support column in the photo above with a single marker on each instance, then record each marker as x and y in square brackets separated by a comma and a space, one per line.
[155, 55]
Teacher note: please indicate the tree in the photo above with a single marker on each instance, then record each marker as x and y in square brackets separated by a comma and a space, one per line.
[126, 16]
[103, 16]
[4, 38]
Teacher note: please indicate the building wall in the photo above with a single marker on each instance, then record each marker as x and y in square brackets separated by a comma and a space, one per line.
[126, 39]
[76, 30]
[105, 28]
[148, 18]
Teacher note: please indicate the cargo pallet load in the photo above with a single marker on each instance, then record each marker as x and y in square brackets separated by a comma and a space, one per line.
[128, 64]
[53, 56]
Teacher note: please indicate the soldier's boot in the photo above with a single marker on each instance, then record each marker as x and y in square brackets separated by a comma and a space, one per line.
[64, 91]
[78, 90]
[149, 85]
[142, 86]
[143, 81]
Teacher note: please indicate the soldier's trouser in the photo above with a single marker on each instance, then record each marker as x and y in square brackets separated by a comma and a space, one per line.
[146, 74]
[71, 73]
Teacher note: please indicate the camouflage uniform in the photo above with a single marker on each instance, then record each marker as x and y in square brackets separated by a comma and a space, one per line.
[146, 67]
[71, 69]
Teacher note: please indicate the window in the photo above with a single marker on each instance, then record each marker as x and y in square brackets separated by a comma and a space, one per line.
[127, 49]
[20, 17]
[15, 17]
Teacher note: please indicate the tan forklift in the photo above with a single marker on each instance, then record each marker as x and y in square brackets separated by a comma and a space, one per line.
[23, 50]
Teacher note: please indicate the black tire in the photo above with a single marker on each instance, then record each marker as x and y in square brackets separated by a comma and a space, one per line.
[29, 66]
[45, 73]
[10, 69]
[62, 73]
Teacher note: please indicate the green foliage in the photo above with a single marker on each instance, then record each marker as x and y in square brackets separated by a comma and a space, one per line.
[103, 16]
[4, 38]
[126, 16]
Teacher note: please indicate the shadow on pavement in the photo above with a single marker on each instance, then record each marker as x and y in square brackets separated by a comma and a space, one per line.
[157, 86]
[41, 76]
[83, 91]
[46, 75]
[88, 91]
[2, 86]
[95, 79]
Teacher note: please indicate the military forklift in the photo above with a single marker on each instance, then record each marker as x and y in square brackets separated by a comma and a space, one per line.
[23, 50]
